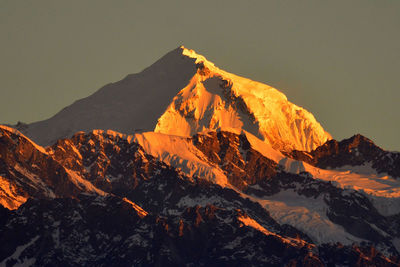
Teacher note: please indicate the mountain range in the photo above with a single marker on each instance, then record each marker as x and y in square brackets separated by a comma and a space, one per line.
[187, 164]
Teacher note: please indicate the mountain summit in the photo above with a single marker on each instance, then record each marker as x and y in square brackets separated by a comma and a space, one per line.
[216, 99]
[183, 94]
[207, 169]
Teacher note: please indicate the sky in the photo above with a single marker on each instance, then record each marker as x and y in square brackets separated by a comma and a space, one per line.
[338, 59]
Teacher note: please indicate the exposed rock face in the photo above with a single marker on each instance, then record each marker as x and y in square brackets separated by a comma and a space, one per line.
[124, 207]
[103, 231]
[109, 162]
[243, 165]
[28, 170]
[355, 151]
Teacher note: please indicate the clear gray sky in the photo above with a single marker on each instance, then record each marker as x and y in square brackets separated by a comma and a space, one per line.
[339, 59]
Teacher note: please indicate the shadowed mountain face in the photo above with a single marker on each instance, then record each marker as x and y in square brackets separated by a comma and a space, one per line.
[143, 211]
[132, 104]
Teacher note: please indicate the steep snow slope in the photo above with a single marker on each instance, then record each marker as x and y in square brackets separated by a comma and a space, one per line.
[307, 215]
[182, 94]
[216, 99]
[180, 153]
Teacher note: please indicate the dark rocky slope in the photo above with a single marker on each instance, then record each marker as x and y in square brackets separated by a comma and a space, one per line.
[144, 212]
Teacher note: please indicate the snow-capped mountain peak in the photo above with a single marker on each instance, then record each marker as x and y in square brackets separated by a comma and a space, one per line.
[182, 94]
[187, 164]
[216, 99]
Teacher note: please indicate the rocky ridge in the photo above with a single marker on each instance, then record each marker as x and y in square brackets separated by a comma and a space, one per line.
[355, 151]
[172, 218]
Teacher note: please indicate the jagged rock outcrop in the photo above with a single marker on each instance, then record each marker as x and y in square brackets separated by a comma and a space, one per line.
[233, 153]
[355, 151]
[28, 170]
[139, 210]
